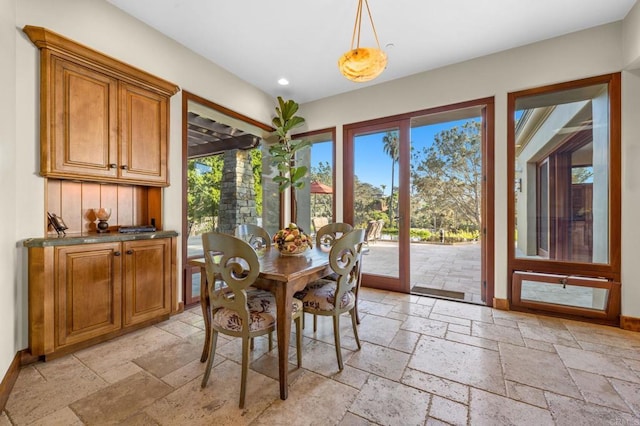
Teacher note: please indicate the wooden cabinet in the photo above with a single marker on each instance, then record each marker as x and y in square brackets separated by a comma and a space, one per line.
[147, 290]
[143, 135]
[88, 292]
[81, 294]
[100, 119]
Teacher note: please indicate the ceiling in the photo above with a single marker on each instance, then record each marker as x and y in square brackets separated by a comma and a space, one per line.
[262, 41]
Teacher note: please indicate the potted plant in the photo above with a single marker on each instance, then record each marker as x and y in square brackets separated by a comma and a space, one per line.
[283, 153]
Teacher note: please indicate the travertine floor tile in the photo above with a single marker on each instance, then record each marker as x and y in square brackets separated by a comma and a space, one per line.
[499, 333]
[45, 388]
[313, 399]
[378, 330]
[171, 357]
[4, 420]
[379, 360]
[494, 410]
[179, 328]
[538, 369]
[548, 334]
[118, 352]
[527, 394]
[436, 385]
[461, 363]
[375, 308]
[570, 412]
[352, 377]
[463, 310]
[480, 342]
[119, 401]
[464, 364]
[388, 402]
[321, 358]
[598, 390]
[351, 419]
[65, 416]
[596, 363]
[612, 336]
[404, 341]
[449, 411]
[425, 326]
[413, 309]
[630, 392]
[187, 373]
[218, 402]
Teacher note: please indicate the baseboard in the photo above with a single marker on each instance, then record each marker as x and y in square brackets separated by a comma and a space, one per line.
[501, 304]
[629, 323]
[9, 380]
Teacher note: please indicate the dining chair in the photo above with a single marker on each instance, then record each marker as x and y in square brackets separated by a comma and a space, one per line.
[232, 266]
[333, 298]
[325, 237]
[328, 234]
[256, 236]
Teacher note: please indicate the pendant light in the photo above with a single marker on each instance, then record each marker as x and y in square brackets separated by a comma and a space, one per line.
[362, 63]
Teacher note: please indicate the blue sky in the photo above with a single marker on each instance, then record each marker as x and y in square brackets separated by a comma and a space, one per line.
[372, 164]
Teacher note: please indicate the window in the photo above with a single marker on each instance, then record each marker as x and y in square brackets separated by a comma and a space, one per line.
[316, 201]
[564, 145]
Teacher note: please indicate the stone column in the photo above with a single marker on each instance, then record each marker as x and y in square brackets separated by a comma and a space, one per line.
[237, 196]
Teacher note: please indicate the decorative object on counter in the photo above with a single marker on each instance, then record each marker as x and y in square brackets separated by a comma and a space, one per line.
[292, 241]
[103, 215]
[57, 223]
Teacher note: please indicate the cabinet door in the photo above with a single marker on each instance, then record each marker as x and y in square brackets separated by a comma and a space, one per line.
[143, 136]
[147, 280]
[88, 291]
[84, 122]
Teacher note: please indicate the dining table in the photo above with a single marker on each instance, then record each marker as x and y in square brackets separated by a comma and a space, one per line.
[283, 275]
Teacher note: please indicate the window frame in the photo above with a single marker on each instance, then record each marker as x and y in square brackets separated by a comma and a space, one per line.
[611, 270]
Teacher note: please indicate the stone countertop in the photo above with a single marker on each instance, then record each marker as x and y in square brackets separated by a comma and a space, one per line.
[93, 237]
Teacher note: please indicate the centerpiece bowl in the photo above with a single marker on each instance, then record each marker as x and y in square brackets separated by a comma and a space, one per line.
[292, 241]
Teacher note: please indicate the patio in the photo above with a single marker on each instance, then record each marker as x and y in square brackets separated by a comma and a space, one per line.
[451, 271]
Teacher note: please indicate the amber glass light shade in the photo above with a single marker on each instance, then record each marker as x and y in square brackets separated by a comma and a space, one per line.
[362, 64]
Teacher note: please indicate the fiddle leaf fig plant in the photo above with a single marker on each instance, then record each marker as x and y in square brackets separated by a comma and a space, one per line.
[283, 153]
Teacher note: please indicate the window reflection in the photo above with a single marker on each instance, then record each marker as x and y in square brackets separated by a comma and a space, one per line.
[562, 175]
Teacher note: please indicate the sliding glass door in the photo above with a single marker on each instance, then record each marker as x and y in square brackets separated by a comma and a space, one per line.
[418, 184]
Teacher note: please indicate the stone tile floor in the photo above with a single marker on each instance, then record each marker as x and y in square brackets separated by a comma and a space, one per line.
[423, 362]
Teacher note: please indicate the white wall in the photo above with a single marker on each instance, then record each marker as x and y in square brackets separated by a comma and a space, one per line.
[9, 325]
[99, 25]
[587, 53]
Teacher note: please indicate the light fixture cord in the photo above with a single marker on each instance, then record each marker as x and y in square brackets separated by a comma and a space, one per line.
[358, 24]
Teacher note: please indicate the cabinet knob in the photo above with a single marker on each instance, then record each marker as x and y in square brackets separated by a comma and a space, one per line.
[117, 253]
[129, 251]
[113, 166]
[124, 167]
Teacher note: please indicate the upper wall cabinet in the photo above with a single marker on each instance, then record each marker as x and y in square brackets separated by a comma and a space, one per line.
[100, 119]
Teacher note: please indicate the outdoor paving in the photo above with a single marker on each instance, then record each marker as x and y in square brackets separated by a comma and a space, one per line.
[436, 269]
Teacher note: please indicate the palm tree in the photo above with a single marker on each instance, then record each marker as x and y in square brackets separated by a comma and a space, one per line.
[390, 141]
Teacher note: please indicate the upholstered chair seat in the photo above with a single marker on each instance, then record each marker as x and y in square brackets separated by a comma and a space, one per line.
[320, 296]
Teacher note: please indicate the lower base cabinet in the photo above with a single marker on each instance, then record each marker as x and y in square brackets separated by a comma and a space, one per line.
[83, 294]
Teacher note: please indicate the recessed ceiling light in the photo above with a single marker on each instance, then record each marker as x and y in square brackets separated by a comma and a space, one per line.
[283, 82]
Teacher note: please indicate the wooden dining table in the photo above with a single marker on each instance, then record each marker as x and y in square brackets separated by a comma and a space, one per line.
[284, 276]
